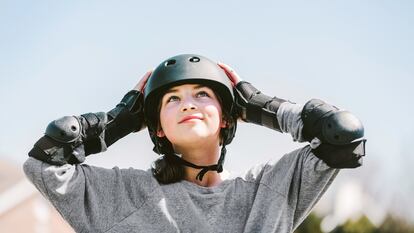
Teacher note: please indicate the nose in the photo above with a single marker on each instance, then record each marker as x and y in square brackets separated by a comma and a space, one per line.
[188, 105]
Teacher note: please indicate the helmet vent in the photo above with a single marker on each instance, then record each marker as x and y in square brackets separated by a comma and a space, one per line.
[194, 59]
[170, 62]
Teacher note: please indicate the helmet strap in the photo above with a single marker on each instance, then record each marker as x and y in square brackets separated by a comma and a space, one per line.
[204, 169]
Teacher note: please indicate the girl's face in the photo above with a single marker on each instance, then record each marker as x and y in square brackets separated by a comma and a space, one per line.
[190, 113]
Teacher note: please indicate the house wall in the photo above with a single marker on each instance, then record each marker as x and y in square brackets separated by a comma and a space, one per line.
[34, 215]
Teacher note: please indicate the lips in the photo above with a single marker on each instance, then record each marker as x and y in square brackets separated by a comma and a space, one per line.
[186, 118]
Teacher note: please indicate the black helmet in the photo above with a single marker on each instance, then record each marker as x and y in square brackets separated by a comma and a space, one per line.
[188, 69]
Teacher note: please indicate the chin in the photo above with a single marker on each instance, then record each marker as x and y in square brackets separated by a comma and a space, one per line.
[194, 138]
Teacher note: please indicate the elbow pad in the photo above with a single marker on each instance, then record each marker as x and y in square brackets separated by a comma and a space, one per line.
[340, 132]
[71, 138]
[255, 107]
[329, 124]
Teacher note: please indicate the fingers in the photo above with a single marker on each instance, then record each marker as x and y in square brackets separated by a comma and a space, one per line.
[141, 84]
[233, 76]
[146, 77]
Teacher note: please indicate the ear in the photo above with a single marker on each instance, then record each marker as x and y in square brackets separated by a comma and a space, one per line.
[223, 124]
[160, 133]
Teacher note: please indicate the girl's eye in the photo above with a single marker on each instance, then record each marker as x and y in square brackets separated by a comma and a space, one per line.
[202, 94]
[172, 98]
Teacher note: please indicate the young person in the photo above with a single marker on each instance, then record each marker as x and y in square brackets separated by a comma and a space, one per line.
[190, 105]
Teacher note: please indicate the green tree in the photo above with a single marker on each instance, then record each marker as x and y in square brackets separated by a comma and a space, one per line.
[392, 224]
[312, 224]
[362, 225]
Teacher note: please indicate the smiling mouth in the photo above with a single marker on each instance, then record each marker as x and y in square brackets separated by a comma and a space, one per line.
[189, 119]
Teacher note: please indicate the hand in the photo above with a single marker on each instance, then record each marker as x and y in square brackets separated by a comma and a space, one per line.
[233, 76]
[141, 84]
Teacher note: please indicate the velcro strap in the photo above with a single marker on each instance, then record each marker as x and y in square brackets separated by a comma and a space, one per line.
[94, 126]
[91, 119]
[94, 123]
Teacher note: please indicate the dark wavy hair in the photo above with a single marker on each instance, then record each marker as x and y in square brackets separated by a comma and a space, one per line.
[168, 170]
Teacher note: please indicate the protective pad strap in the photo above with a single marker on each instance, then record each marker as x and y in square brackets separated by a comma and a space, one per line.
[53, 152]
[256, 107]
[93, 130]
[94, 123]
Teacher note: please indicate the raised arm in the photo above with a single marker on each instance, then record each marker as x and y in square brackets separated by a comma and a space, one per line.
[91, 199]
[68, 140]
[336, 136]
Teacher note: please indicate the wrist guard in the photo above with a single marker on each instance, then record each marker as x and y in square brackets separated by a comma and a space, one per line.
[340, 133]
[126, 117]
[255, 107]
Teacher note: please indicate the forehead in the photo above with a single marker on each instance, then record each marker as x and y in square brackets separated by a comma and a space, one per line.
[185, 87]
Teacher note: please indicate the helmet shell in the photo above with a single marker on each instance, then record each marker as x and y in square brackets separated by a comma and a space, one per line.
[186, 69]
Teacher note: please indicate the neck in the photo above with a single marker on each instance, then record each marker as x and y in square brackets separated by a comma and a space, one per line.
[203, 156]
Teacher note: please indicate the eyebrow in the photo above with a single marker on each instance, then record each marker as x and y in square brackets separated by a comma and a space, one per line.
[198, 86]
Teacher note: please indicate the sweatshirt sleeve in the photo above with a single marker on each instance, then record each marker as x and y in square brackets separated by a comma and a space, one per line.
[299, 178]
[90, 199]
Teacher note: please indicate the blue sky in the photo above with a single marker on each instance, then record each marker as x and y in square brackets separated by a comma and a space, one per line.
[70, 57]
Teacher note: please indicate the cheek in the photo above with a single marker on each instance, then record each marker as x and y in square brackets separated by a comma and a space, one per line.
[165, 117]
[215, 113]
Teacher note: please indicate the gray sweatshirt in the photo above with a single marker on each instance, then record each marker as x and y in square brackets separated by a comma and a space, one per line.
[272, 197]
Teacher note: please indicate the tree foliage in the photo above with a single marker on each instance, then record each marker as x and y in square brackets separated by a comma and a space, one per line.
[391, 224]
[362, 225]
[311, 224]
